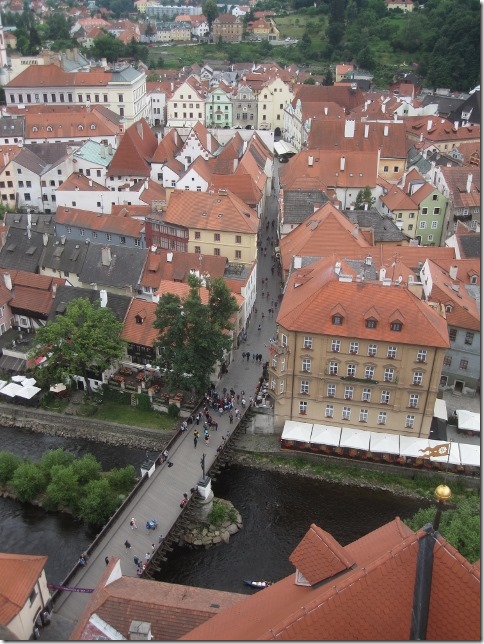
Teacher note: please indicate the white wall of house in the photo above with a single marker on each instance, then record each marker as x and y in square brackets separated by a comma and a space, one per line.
[23, 623]
[192, 181]
[164, 175]
[93, 200]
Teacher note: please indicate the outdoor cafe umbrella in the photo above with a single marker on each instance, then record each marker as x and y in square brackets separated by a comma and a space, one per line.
[354, 438]
[60, 386]
[326, 435]
[384, 443]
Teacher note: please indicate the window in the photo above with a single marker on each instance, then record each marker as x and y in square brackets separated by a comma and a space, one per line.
[284, 340]
[447, 361]
[422, 355]
[424, 211]
[329, 411]
[409, 421]
[26, 196]
[363, 416]
[385, 168]
[331, 391]
[435, 197]
[304, 387]
[434, 225]
[122, 239]
[372, 349]
[382, 418]
[463, 364]
[19, 171]
[371, 323]
[69, 229]
[94, 234]
[389, 374]
[32, 596]
[28, 184]
[413, 400]
[469, 338]
[384, 396]
[197, 234]
[238, 254]
[366, 395]
[216, 237]
[306, 364]
[396, 326]
[337, 319]
[198, 250]
[349, 393]
[436, 211]
[282, 366]
[422, 225]
[392, 352]
[281, 387]
[20, 184]
[120, 98]
[346, 414]
[216, 252]
[354, 346]
[410, 226]
[335, 345]
[452, 334]
[351, 370]
[303, 407]
[395, 168]
[308, 342]
[333, 368]
[369, 372]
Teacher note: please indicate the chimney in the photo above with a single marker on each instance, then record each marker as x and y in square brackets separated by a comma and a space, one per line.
[310, 161]
[169, 257]
[453, 272]
[421, 137]
[90, 183]
[385, 130]
[337, 268]
[54, 290]
[63, 239]
[297, 263]
[349, 128]
[6, 158]
[469, 183]
[45, 239]
[140, 631]
[356, 228]
[110, 149]
[342, 164]
[326, 110]
[456, 125]
[106, 256]
[102, 151]
[103, 296]
[172, 87]
[383, 272]
[368, 260]
[8, 281]
[367, 129]
[429, 125]
[383, 108]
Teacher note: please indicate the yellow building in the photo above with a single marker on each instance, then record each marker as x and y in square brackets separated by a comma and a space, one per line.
[227, 28]
[355, 353]
[8, 180]
[218, 223]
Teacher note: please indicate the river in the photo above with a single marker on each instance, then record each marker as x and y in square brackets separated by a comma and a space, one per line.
[277, 509]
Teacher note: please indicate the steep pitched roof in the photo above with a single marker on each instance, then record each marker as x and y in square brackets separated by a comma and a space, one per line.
[18, 576]
[456, 178]
[169, 146]
[94, 221]
[20, 251]
[211, 212]
[241, 184]
[63, 255]
[138, 324]
[77, 181]
[135, 152]
[118, 304]
[344, 96]
[123, 270]
[172, 265]
[72, 124]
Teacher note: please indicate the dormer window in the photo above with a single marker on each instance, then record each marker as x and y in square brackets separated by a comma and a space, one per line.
[93, 127]
[370, 323]
[448, 308]
[396, 326]
[337, 319]
[80, 127]
[35, 129]
[49, 128]
[473, 279]
[138, 319]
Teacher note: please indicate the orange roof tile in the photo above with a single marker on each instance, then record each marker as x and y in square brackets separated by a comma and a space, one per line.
[138, 324]
[158, 267]
[204, 211]
[18, 576]
[54, 76]
[241, 185]
[135, 151]
[168, 148]
[81, 182]
[95, 221]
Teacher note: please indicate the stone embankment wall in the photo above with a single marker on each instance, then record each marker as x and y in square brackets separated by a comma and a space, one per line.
[51, 424]
[205, 534]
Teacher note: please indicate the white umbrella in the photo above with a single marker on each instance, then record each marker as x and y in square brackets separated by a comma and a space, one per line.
[18, 378]
[11, 390]
[28, 392]
[470, 454]
[29, 381]
[354, 438]
[60, 386]
[325, 435]
[384, 443]
[295, 431]
[468, 420]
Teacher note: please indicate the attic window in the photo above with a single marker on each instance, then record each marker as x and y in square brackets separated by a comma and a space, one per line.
[35, 129]
[49, 128]
[473, 279]
[396, 326]
[138, 319]
[371, 323]
[337, 319]
[80, 127]
[93, 127]
[448, 308]
[31, 250]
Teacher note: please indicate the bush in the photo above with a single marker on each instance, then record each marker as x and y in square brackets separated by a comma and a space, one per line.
[98, 503]
[55, 457]
[8, 464]
[121, 480]
[28, 481]
[63, 490]
[87, 469]
[221, 512]
[173, 410]
[143, 402]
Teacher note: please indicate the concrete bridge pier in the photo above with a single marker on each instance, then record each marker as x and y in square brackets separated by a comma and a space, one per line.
[205, 501]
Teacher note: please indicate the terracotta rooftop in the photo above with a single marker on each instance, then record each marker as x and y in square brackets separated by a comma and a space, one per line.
[204, 211]
[77, 181]
[436, 128]
[168, 148]
[95, 221]
[362, 602]
[18, 576]
[135, 152]
[138, 324]
[53, 76]
[175, 266]
[342, 95]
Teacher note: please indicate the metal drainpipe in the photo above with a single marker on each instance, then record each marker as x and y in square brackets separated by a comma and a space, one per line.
[293, 367]
[427, 396]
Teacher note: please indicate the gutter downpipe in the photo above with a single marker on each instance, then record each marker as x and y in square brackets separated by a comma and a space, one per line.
[293, 367]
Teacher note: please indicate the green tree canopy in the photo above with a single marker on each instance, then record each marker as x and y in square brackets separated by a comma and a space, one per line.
[98, 502]
[194, 336]
[63, 490]
[210, 11]
[364, 198]
[8, 464]
[107, 46]
[28, 481]
[86, 337]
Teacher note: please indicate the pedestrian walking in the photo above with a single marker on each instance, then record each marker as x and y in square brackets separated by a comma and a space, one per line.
[268, 295]
[237, 413]
[127, 545]
[215, 425]
[106, 559]
[147, 556]
[137, 561]
[244, 402]
[253, 357]
[243, 355]
[153, 546]
[259, 328]
[231, 418]
[263, 316]
[195, 438]
[132, 523]
[248, 354]
[82, 561]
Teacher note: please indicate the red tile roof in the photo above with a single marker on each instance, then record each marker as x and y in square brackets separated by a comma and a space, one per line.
[135, 152]
[138, 324]
[53, 76]
[158, 267]
[315, 292]
[342, 95]
[372, 601]
[205, 211]
[18, 576]
[95, 221]
[440, 130]
[168, 148]
[81, 182]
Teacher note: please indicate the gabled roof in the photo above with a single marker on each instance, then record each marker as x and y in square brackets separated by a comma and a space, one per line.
[118, 304]
[18, 576]
[224, 212]
[176, 266]
[200, 167]
[138, 324]
[39, 158]
[435, 128]
[123, 270]
[241, 184]
[135, 152]
[397, 199]
[383, 229]
[20, 251]
[81, 182]
[456, 179]
[53, 76]
[63, 255]
[95, 152]
[344, 96]
[314, 291]
[300, 204]
[75, 124]
[95, 221]
[33, 294]
[227, 160]
[168, 148]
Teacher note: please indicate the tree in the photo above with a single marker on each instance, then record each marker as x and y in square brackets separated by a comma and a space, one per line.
[86, 337]
[310, 81]
[55, 457]
[107, 46]
[365, 58]
[8, 464]
[63, 490]
[122, 479]
[28, 481]
[461, 527]
[364, 198]
[194, 336]
[210, 11]
[265, 48]
[87, 469]
[58, 26]
[98, 503]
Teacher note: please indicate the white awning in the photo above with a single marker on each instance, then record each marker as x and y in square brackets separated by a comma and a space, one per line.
[18, 378]
[468, 420]
[60, 386]
[2, 383]
[12, 389]
[410, 446]
[354, 438]
[28, 382]
[326, 435]
[295, 431]
[27, 392]
[384, 443]
[440, 409]
[470, 454]
[283, 147]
